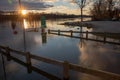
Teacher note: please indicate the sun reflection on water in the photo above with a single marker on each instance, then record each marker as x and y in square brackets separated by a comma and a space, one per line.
[25, 24]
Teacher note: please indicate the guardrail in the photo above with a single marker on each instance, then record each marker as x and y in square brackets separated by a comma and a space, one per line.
[66, 65]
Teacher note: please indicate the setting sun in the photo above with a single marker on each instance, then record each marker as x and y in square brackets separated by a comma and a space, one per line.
[24, 12]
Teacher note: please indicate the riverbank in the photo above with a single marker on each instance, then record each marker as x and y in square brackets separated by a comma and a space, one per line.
[105, 26]
[98, 26]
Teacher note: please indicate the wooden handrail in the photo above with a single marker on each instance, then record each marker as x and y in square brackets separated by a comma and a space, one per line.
[47, 75]
[100, 73]
[47, 60]
[85, 32]
[67, 66]
[77, 37]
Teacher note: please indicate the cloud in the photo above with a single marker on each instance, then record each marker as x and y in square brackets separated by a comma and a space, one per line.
[61, 9]
[36, 6]
[50, 1]
[29, 4]
[62, 6]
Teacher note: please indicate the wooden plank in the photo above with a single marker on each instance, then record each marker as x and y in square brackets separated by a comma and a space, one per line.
[88, 39]
[41, 72]
[15, 51]
[71, 33]
[28, 62]
[85, 32]
[8, 53]
[18, 52]
[99, 73]
[86, 35]
[66, 75]
[47, 60]
[49, 76]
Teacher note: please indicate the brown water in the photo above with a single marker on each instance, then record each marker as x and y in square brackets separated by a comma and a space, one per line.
[89, 54]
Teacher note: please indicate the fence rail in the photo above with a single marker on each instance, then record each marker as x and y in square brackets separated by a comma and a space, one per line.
[66, 66]
[83, 32]
[103, 34]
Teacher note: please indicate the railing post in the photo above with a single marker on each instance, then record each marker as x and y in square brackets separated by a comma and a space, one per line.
[71, 33]
[104, 37]
[65, 70]
[3, 63]
[28, 61]
[49, 31]
[8, 54]
[87, 35]
[58, 32]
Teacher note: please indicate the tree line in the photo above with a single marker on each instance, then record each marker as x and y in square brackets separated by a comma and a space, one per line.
[100, 9]
[105, 10]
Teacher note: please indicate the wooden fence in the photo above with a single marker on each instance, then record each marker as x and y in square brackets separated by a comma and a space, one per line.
[104, 35]
[66, 66]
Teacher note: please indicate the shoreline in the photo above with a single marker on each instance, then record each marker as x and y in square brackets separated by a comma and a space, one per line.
[98, 26]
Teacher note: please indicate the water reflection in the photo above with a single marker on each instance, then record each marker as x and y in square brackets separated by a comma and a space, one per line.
[86, 53]
[98, 56]
[25, 24]
[44, 35]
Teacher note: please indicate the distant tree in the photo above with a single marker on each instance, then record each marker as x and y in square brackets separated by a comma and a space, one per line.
[110, 7]
[81, 4]
[98, 9]
[104, 9]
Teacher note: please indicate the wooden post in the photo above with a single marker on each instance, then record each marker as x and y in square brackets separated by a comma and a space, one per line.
[71, 33]
[87, 35]
[65, 70]
[96, 37]
[58, 32]
[49, 31]
[28, 61]
[3, 63]
[104, 37]
[8, 54]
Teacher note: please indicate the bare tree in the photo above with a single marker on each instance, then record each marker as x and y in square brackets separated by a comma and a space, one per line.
[98, 9]
[111, 4]
[19, 1]
[105, 9]
[81, 4]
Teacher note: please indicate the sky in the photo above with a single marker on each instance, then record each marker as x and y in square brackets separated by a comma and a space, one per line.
[48, 6]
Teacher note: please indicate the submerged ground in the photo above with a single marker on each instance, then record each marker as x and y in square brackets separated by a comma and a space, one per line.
[86, 53]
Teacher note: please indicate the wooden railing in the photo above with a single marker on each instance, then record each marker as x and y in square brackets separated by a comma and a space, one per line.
[104, 35]
[66, 65]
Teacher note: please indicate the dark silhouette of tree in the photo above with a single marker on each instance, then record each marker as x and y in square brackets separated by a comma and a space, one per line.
[110, 4]
[104, 9]
[81, 4]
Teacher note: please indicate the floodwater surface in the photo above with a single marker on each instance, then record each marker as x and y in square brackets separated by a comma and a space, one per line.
[27, 36]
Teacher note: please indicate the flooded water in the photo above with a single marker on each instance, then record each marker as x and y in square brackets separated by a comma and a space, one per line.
[26, 36]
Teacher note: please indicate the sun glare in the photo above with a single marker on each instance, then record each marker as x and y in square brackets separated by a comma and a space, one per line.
[24, 12]
[25, 24]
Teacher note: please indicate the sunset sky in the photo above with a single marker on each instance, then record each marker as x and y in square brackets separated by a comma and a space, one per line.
[62, 6]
